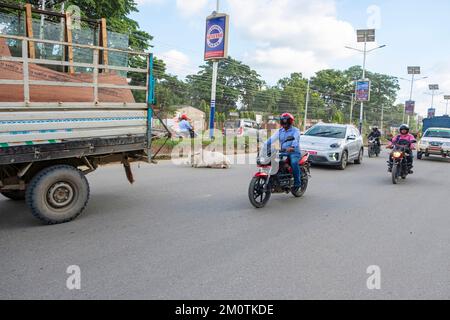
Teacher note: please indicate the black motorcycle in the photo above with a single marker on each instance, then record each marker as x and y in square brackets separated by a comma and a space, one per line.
[374, 148]
[275, 176]
[398, 163]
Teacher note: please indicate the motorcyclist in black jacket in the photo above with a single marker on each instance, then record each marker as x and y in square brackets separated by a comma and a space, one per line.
[376, 134]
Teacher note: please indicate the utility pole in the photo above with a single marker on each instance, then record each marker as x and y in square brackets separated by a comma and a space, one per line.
[382, 118]
[306, 104]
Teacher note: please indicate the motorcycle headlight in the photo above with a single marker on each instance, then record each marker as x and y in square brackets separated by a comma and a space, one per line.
[335, 146]
[397, 154]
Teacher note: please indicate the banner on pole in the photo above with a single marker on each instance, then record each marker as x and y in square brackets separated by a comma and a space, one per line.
[410, 107]
[216, 37]
[431, 112]
[363, 90]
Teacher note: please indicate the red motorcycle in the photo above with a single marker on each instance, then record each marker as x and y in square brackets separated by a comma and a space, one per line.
[275, 176]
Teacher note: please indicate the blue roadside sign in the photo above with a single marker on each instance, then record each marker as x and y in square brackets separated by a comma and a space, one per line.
[363, 90]
[216, 37]
[410, 107]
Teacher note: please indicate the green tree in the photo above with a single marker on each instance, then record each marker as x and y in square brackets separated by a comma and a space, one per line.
[236, 83]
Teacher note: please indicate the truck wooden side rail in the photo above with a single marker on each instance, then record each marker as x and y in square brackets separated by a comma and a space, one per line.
[48, 147]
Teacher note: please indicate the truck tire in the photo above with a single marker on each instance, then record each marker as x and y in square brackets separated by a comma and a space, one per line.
[16, 195]
[57, 194]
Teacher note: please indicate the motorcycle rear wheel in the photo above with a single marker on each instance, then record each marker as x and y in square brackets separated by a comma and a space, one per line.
[258, 193]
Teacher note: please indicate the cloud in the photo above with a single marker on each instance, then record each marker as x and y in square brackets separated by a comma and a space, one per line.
[190, 8]
[149, 2]
[286, 60]
[306, 34]
[177, 63]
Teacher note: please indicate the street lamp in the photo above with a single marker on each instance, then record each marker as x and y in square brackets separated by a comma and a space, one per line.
[364, 35]
[447, 99]
[413, 71]
[433, 88]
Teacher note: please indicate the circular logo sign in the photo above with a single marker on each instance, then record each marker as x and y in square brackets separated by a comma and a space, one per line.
[214, 36]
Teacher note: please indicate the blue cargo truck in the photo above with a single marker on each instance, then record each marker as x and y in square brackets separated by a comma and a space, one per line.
[436, 137]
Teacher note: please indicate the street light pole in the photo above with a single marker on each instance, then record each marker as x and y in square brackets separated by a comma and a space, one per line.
[361, 111]
[410, 96]
[433, 88]
[413, 71]
[447, 98]
[366, 35]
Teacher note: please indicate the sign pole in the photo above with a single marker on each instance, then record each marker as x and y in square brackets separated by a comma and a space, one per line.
[213, 90]
[213, 99]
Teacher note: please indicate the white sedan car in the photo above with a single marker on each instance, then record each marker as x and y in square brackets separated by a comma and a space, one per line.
[435, 141]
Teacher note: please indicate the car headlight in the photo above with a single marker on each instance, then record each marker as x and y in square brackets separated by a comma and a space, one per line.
[424, 143]
[335, 146]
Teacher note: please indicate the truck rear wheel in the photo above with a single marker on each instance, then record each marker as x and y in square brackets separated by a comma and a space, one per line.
[58, 194]
[16, 195]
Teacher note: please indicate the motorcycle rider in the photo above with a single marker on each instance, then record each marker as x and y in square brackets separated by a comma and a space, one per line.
[375, 134]
[404, 135]
[292, 148]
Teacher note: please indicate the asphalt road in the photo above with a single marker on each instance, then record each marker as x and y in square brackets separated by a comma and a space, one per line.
[183, 233]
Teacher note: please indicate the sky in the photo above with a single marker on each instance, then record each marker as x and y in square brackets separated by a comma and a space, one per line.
[279, 37]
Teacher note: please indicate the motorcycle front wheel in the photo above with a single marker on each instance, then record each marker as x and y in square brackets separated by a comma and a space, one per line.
[395, 173]
[258, 192]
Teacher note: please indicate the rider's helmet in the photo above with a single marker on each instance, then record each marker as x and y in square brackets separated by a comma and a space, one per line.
[404, 127]
[374, 128]
[184, 117]
[287, 119]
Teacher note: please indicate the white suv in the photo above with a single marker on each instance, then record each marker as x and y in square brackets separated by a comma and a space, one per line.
[333, 144]
[435, 141]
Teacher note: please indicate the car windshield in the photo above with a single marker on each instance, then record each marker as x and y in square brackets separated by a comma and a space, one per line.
[327, 132]
[437, 134]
